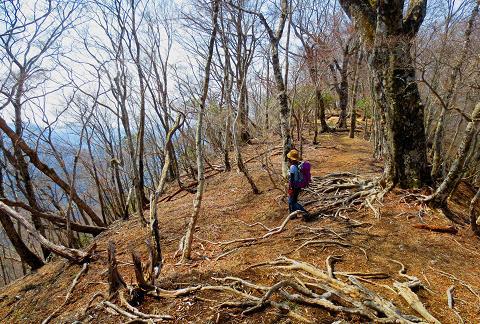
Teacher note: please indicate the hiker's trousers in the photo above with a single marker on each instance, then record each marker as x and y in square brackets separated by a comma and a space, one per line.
[293, 204]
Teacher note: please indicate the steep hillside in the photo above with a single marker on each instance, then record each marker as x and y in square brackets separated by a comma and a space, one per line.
[372, 249]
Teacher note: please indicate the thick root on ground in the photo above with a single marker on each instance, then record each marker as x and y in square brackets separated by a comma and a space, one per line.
[335, 193]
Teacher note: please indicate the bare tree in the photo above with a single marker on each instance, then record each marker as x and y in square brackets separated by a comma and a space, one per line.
[275, 37]
[187, 246]
[439, 197]
[310, 21]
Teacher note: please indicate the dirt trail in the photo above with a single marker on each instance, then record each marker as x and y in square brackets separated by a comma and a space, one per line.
[439, 260]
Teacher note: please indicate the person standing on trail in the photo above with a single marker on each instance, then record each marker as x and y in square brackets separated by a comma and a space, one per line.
[299, 178]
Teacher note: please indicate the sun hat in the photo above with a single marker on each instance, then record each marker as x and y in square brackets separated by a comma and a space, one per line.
[294, 155]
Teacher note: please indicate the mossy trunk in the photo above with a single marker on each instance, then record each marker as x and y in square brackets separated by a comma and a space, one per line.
[405, 131]
[388, 31]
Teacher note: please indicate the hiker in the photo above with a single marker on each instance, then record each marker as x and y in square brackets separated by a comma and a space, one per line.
[299, 178]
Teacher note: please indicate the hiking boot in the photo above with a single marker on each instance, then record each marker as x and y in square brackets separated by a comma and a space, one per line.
[307, 217]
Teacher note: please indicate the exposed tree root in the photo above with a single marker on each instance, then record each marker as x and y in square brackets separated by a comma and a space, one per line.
[253, 240]
[321, 289]
[336, 192]
[352, 299]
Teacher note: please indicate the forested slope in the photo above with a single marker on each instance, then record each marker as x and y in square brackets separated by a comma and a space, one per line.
[231, 241]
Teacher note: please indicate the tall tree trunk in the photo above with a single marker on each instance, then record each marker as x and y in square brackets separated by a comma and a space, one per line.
[241, 72]
[319, 102]
[281, 90]
[227, 87]
[140, 179]
[187, 246]
[241, 166]
[342, 86]
[96, 178]
[388, 33]
[168, 157]
[268, 96]
[21, 163]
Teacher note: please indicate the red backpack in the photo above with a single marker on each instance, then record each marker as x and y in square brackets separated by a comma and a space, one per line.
[306, 176]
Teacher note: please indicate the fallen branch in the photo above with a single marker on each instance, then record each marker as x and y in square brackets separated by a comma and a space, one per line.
[55, 219]
[323, 242]
[225, 254]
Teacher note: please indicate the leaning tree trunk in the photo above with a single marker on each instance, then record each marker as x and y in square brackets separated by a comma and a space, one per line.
[187, 244]
[448, 100]
[388, 33]
[168, 155]
[27, 255]
[73, 255]
[440, 196]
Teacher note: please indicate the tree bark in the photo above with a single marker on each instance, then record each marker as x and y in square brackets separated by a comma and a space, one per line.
[388, 34]
[198, 140]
